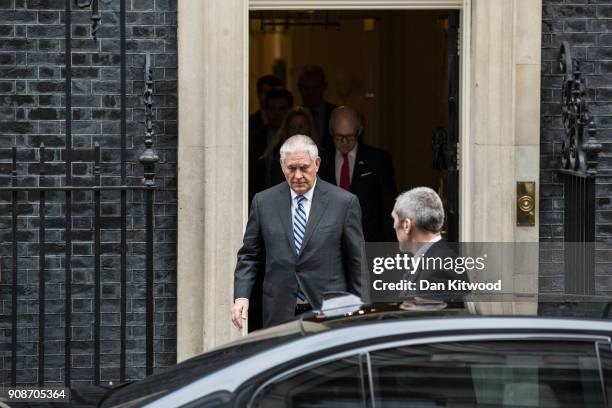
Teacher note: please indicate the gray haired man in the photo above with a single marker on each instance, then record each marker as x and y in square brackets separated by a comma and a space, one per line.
[418, 217]
[307, 235]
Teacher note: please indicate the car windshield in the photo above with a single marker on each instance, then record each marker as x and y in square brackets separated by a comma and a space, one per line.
[182, 374]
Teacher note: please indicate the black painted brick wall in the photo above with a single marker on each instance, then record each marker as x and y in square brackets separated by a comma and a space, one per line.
[587, 25]
[32, 111]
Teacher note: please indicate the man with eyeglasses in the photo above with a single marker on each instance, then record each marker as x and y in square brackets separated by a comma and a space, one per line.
[363, 170]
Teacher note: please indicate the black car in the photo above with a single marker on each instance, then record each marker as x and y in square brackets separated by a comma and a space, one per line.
[389, 355]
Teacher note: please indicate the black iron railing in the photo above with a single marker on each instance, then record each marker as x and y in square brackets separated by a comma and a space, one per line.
[148, 159]
[578, 171]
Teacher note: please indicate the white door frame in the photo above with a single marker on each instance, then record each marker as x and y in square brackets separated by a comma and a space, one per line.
[498, 131]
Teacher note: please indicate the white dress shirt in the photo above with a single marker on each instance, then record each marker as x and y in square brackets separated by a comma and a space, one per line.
[306, 203]
[352, 156]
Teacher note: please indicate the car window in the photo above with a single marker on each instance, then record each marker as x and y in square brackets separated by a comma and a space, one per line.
[176, 377]
[605, 357]
[488, 374]
[337, 384]
[220, 399]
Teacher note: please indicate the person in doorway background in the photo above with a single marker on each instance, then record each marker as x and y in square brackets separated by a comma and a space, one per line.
[363, 170]
[297, 122]
[277, 104]
[312, 86]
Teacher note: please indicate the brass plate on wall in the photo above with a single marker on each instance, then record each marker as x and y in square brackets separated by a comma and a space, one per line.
[525, 203]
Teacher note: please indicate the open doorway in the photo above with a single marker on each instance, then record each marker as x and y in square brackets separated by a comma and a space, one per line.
[394, 67]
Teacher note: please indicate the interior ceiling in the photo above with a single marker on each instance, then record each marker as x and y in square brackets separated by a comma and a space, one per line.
[321, 15]
[331, 19]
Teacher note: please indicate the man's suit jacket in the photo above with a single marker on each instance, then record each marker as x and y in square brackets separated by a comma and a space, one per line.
[258, 134]
[256, 120]
[373, 182]
[330, 258]
[327, 143]
[435, 274]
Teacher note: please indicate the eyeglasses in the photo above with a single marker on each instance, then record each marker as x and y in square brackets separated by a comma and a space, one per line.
[344, 138]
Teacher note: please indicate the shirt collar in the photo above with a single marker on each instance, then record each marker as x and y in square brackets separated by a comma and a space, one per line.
[426, 246]
[307, 195]
[352, 154]
[435, 239]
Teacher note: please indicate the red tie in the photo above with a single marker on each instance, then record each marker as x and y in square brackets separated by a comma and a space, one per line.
[345, 180]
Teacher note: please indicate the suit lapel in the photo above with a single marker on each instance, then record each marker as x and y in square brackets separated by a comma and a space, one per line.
[285, 214]
[358, 169]
[317, 208]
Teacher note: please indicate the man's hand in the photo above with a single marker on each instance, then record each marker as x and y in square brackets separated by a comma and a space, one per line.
[239, 312]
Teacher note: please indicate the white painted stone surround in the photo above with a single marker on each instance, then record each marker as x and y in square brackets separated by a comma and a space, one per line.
[499, 142]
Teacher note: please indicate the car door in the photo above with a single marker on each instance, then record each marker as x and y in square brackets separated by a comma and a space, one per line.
[493, 373]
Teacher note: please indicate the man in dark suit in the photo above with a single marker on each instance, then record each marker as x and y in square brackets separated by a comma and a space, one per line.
[418, 217]
[258, 128]
[307, 235]
[265, 84]
[277, 103]
[363, 170]
[312, 86]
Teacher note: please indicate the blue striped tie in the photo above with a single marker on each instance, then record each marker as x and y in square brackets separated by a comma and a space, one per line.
[299, 230]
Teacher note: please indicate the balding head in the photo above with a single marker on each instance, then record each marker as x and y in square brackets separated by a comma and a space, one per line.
[345, 126]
